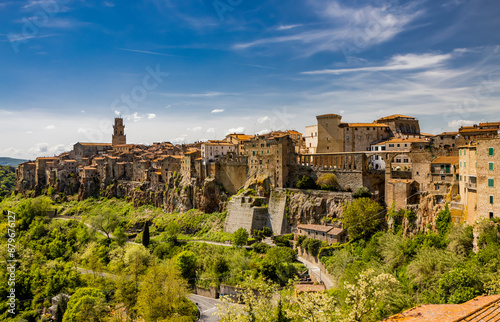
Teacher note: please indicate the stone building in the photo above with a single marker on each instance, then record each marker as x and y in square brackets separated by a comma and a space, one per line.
[329, 234]
[401, 126]
[270, 158]
[238, 139]
[481, 130]
[210, 151]
[479, 177]
[311, 139]
[119, 137]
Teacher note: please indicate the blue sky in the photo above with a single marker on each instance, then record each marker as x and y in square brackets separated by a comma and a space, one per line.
[192, 70]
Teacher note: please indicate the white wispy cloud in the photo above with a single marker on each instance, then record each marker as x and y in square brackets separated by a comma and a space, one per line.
[147, 52]
[217, 110]
[288, 27]
[345, 28]
[240, 129]
[50, 127]
[396, 63]
[263, 119]
[456, 124]
[151, 116]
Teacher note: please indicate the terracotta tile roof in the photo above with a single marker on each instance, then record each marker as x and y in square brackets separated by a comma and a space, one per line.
[321, 228]
[428, 135]
[482, 308]
[447, 134]
[218, 144]
[477, 130]
[94, 144]
[409, 140]
[446, 160]
[365, 125]
[395, 116]
[328, 115]
[46, 158]
[310, 287]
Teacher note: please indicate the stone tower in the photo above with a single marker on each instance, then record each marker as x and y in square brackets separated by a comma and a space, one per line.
[330, 134]
[118, 132]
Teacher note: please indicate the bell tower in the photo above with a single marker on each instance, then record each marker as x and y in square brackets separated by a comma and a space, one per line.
[119, 136]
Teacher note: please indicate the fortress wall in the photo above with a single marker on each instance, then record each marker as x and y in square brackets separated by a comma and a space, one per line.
[232, 176]
[277, 213]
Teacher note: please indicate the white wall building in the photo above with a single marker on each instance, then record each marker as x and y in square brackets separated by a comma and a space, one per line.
[211, 150]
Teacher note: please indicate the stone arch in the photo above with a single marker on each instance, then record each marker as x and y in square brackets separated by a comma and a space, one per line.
[414, 129]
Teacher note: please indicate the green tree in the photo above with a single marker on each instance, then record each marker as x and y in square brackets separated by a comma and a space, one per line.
[443, 220]
[240, 237]
[328, 181]
[362, 218]
[186, 263]
[120, 235]
[162, 295]
[87, 304]
[145, 235]
[460, 285]
[105, 222]
[306, 182]
[362, 192]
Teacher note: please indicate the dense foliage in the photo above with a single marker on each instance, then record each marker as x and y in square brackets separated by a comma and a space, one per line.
[7, 180]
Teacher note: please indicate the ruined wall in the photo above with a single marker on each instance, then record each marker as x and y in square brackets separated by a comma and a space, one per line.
[277, 213]
[232, 176]
[244, 212]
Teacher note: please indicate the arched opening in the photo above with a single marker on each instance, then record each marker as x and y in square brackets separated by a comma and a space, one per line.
[401, 167]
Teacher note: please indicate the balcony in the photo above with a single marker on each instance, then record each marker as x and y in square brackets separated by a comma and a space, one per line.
[471, 186]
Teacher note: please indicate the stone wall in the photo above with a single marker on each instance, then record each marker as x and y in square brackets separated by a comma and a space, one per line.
[277, 213]
[231, 175]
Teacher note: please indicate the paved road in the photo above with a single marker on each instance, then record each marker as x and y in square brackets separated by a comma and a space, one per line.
[88, 225]
[315, 272]
[207, 307]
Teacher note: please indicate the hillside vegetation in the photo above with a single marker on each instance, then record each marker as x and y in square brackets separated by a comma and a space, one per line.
[7, 180]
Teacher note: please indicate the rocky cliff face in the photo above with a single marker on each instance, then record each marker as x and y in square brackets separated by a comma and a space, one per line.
[175, 196]
[426, 214]
[311, 207]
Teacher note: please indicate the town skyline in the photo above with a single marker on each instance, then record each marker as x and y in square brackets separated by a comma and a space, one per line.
[196, 71]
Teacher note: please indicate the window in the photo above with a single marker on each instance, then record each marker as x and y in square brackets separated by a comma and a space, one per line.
[443, 178]
[460, 164]
[465, 164]
[260, 161]
[391, 145]
[398, 145]
[253, 152]
[460, 151]
[491, 215]
[491, 199]
[465, 152]
[490, 166]
[490, 151]
[347, 138]
[491, 183]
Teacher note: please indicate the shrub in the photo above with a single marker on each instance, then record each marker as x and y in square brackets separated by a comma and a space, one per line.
[328, 181]
[362, 192]
[240, 237]
[306, 183]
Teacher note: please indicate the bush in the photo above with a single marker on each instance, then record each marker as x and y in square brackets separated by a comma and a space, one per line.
[240, 237]
[328, 181]
[306, 183]
[443, 221]
[362, 192]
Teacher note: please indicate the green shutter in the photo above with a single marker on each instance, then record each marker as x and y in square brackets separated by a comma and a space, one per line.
[491, 183]
[490, 151]
[491, 166]
[491, 199]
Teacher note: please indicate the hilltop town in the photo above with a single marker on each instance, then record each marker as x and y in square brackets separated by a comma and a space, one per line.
[401, 167]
